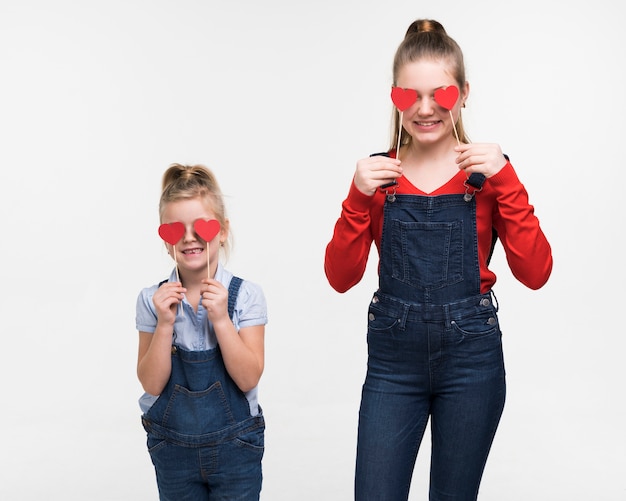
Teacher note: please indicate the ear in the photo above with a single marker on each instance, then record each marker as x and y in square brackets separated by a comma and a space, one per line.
[224, 230]
[465, 92]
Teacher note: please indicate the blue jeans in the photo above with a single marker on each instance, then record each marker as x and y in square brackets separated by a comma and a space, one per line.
[442, 362]
[225, 468]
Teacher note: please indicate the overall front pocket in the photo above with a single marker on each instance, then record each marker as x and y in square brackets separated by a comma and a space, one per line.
[428, 255]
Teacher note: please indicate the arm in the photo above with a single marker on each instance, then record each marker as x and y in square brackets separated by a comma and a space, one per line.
[527, 250]
[347, 252]
[244, 351]
[154, 363]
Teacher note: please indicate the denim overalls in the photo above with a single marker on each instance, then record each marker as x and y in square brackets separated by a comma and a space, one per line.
[201, 436]
[434, 349]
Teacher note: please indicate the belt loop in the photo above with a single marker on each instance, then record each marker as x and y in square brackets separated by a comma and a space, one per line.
[446, 315]
[494, 301]
[405, 314]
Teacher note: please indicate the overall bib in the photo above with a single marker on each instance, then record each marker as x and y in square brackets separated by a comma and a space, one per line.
[203, 441]
[434, 350]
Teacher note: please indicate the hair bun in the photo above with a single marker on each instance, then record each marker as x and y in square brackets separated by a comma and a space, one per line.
[425, 26]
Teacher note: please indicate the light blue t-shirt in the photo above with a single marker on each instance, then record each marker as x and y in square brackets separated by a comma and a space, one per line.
[194, 331]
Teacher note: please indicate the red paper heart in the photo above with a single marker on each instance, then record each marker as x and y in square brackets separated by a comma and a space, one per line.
[446, 98]
[172, 232]
[206, 229]
[403, 98]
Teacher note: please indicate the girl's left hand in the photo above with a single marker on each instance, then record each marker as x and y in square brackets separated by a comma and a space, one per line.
[214, 298]
[485, 158]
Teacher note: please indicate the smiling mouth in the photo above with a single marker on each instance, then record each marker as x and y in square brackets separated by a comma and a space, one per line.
[193, 251]
[428, 124]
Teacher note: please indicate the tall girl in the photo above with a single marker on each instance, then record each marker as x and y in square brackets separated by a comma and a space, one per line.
[434, 340]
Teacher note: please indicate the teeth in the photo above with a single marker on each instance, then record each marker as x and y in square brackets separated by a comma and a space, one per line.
[192, 251]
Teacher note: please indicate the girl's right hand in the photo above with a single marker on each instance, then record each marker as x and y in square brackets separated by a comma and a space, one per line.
[374, 171]
[166, 300]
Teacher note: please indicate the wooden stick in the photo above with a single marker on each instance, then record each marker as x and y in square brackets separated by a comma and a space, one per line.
[182, 311]
[454, 127]
[399, 137]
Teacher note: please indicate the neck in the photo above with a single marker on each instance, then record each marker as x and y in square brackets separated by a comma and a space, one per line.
[429, 167]
[192, 279]
[429, 156]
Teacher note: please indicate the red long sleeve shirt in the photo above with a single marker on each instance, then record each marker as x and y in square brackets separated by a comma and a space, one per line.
[502, 204]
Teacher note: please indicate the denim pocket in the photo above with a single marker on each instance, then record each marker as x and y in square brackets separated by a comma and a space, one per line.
[477, 326]
[186, 410]
[427, 254]
[252, 439]
[379, 321]
[155, 444]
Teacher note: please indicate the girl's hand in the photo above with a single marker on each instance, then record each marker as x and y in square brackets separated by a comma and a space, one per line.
[374, 171]
[166, 300]
[484, 158]
[214, 298]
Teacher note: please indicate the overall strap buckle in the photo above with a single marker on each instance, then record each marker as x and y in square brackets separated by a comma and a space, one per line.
[473, 184]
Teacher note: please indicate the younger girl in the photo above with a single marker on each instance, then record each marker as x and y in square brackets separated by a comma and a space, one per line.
[434, 342]
[201, 355]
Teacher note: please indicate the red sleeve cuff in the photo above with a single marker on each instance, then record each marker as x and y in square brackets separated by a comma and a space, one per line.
[506, 177]
[357, 200]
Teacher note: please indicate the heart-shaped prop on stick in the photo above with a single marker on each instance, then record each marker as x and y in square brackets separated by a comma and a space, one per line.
[172, 232]
[207, 230]
[446, 98]
[403, 99]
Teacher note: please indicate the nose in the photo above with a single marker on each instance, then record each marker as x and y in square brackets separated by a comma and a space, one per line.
[425, 105]
[190, 234]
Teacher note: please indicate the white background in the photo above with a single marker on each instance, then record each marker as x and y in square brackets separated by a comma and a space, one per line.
[281, 98]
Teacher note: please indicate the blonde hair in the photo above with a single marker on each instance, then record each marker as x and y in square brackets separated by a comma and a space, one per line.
[185, 182]
[427, 39]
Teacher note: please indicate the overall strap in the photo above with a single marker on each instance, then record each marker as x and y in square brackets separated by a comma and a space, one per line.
[233, 291]
[476, 181]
